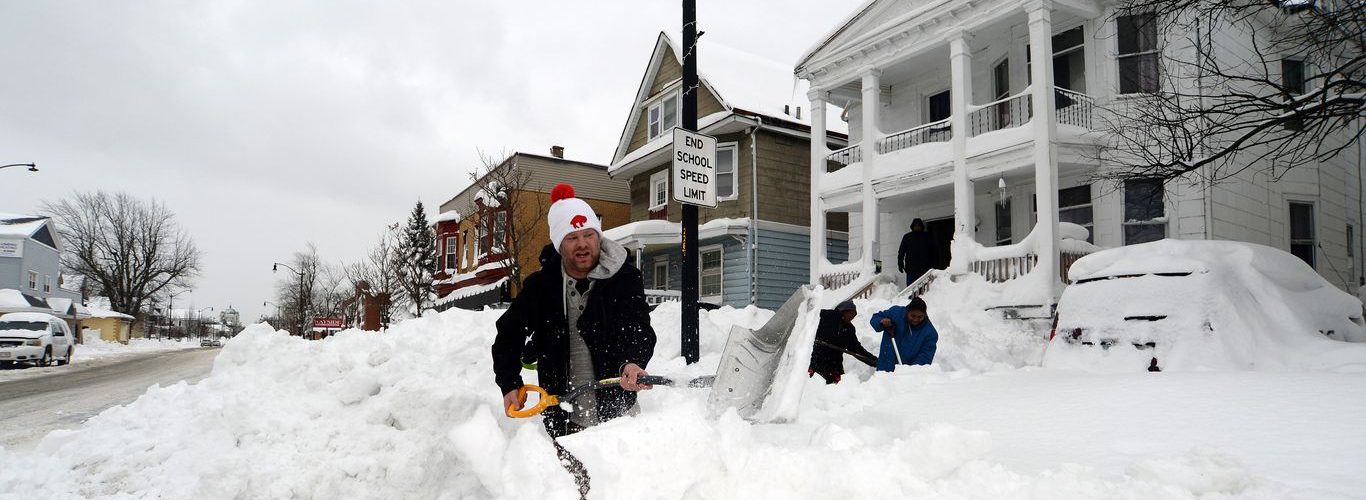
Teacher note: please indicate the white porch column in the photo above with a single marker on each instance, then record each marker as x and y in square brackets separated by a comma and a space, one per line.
[872, 108]
[960, 63]
[819, 151]
[1045, 126]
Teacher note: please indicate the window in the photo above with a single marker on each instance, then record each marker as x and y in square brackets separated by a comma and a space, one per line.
[659, 189]
[1138, 54]
[451, 253]
[500, 228]
[1292, 81]
[1000, 82]
[1074, 205]
[1069, 64]
[47, 284]
[726, 160]
[1351, 251]
[1302, 231]
[940, 106]
[1003, 222]
[709, 283]
[1144, 211]
[33, 280]
[663, 116]
[661, 274]
[482, 247]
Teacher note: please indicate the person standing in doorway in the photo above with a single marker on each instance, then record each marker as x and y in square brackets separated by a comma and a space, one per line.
[917, 254]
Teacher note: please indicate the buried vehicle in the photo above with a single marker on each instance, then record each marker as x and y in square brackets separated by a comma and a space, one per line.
[36, 338]
[1190, 305]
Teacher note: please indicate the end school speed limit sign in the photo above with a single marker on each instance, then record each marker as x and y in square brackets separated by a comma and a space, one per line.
[694, 169]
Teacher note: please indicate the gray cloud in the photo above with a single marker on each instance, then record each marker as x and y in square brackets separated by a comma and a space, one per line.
[267, 125]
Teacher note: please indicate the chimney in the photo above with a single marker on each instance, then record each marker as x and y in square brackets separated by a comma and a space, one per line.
[557, 151]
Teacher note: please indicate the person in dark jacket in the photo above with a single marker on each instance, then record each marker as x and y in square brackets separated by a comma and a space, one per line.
[835, 338]
[909, 338]
[586, 315]
[917, 254]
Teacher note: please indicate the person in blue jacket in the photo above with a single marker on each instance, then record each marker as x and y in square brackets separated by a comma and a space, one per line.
[911, 330]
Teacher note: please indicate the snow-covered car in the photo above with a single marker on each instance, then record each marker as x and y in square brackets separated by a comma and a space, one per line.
[36, 338]
[1190, 305]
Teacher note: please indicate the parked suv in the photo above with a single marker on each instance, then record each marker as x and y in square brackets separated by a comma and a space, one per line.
[37, 338]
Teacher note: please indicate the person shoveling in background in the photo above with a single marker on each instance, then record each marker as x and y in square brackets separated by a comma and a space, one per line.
[586, 314]
[909, 338]
[835, 338]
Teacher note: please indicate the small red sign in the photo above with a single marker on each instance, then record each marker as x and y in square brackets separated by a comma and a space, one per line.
[327, 322]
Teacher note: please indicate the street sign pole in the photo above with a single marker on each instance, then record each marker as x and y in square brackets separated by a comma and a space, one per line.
[691, 342]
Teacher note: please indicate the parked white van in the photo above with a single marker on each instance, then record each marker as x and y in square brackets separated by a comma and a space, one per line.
[36, 338]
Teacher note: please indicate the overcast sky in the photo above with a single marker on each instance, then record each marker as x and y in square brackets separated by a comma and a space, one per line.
[267, 125]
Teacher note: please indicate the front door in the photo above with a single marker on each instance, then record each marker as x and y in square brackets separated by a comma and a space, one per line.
[941, 231]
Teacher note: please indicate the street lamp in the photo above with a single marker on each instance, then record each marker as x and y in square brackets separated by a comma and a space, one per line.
[275, 266]
[31, 166]
[199, 325]
[170, 311]
[277, 313]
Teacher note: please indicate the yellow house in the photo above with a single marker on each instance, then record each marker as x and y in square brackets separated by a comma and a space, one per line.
[112, 326]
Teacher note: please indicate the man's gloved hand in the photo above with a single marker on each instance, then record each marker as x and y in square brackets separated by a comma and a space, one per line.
[886, 323]
[629, 374]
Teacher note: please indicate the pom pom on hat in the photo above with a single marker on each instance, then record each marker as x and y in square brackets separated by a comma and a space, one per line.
[560, 192]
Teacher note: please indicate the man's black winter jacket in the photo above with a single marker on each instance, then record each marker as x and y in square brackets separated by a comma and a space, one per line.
[615, 325]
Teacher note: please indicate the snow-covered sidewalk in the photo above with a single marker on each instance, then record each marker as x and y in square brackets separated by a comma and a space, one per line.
[413, 413]
[95, 351]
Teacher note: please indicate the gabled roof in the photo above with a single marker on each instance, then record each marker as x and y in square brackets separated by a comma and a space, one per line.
[865, 25]
[34, 227]
[743, 82]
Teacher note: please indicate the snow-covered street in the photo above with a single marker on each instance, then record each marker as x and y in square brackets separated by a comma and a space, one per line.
[64, 397]
[412, 413]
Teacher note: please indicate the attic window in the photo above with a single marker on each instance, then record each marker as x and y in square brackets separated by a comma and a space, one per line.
[663, 115]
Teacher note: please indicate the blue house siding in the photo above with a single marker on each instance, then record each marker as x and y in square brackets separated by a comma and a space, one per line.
[782, 267]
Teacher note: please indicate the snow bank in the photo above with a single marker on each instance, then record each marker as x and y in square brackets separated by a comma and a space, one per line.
[92, 347]
[412, 413]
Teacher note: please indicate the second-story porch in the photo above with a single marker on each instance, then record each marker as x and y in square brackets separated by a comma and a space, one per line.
[949, 96]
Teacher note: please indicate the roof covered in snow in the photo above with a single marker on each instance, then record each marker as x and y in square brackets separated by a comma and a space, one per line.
[742, 81]
[12, 300]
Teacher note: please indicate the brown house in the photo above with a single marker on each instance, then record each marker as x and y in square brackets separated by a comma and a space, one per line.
[489, 237]
[755, 245]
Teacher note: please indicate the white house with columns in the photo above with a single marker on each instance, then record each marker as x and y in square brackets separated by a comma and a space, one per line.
[979, 117]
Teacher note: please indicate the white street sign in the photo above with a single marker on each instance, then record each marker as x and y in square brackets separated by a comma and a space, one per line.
[694, 168]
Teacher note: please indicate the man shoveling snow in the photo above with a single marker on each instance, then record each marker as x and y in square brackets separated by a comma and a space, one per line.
[586, 314]
[909, 336]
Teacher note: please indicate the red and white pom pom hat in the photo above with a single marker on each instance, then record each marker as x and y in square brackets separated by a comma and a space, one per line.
[569, 214]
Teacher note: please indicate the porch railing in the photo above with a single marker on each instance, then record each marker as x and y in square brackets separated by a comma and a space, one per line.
[1065, 261]
[1005, 268]
[1074, 108]
[835, 280]
[656, 297]
[939, 131]
[845, 157]
[1008, 112]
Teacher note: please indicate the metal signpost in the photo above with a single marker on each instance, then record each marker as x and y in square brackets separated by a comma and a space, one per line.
[699, 185]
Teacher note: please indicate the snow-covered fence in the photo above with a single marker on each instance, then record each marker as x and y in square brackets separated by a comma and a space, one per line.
[839, 279]
[939, 131]
[1008, 112]
[846, 156]
[657, 297]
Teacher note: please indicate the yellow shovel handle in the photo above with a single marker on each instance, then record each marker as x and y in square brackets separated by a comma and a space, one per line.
[546, 400]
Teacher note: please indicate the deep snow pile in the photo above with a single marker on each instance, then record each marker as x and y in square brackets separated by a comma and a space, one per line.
[412, 413]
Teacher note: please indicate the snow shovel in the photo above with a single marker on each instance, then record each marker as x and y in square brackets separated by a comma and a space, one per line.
[750, 360]
[866, 360]
[547, 400]
[895, 350]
